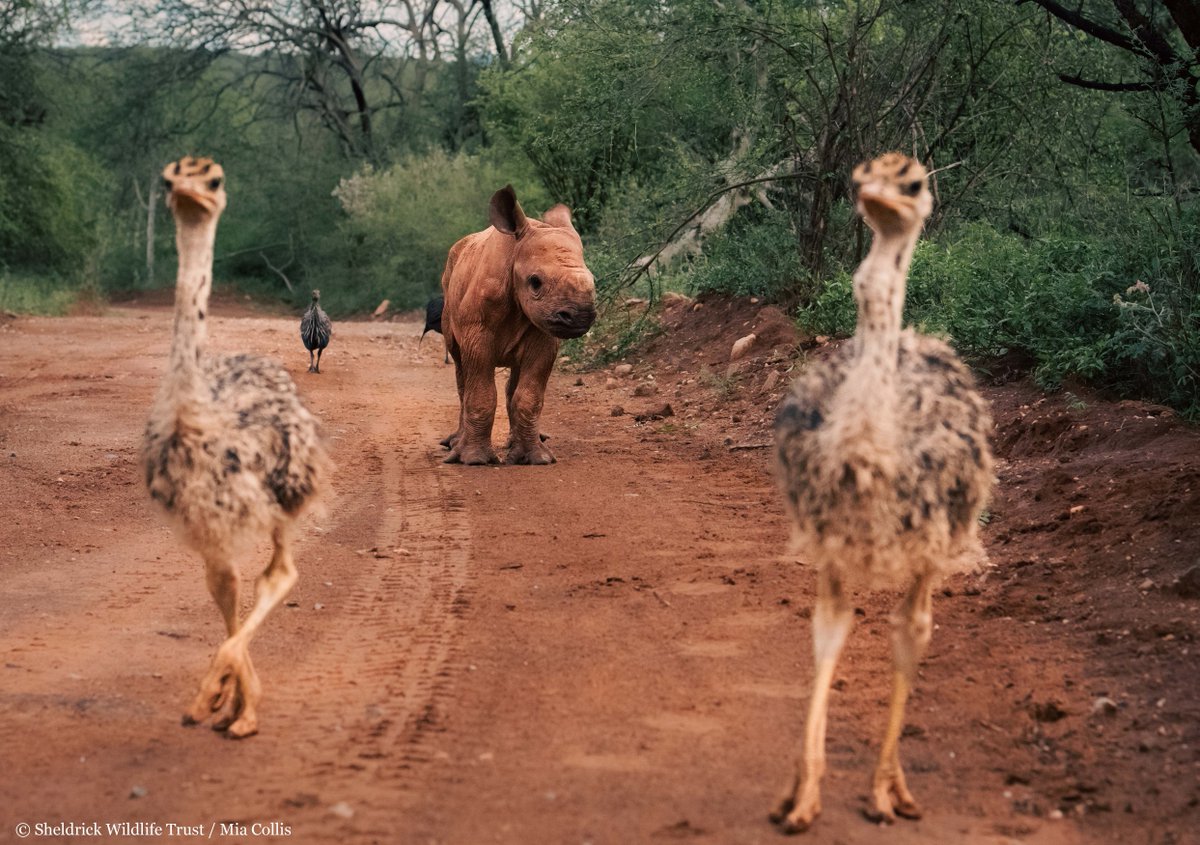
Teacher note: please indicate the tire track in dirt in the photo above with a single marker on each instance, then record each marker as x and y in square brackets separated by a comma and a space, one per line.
[358, 666]
[397, 638]
[390, 647]
[638, 648]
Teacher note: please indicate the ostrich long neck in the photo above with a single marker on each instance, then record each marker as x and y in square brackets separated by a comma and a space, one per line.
[194, 240]
[869, 393]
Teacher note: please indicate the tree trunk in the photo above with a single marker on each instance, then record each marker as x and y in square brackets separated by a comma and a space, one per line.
[151, 203]
[490, 13]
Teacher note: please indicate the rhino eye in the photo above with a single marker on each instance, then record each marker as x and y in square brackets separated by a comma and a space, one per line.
[535, 283]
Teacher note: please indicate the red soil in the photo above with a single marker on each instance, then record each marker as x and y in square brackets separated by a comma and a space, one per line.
[613, 649]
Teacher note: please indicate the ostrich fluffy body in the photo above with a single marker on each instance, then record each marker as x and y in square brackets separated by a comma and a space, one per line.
[229, 452]
[885, 465]
[315, 331]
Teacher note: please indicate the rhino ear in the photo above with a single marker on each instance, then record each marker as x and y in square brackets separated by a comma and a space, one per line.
[558, 216]
[505, 212]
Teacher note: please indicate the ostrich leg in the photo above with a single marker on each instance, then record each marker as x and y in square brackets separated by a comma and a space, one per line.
[912, 626]
[225, 698]
[222, 581]
[832, 620]
[231, 675]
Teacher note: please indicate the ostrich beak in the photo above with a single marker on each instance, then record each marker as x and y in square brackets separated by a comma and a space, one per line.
[873, 197]
[203, 201]
[883, 207]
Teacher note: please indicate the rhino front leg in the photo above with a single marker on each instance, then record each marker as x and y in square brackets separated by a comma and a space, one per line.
[526, 391]
[474, 443]
[511, 388]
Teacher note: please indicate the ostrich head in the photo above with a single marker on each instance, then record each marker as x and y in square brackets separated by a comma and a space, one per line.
[195, 189]
[892, 194]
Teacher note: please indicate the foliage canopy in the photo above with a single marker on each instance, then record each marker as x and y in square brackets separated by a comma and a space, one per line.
[703, 146]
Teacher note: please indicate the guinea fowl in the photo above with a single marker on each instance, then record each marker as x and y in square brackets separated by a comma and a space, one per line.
[315, 330]
[433, 321]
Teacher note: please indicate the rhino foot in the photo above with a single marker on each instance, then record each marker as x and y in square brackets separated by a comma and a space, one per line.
[471, 455]
[509, 444]
[535, 455]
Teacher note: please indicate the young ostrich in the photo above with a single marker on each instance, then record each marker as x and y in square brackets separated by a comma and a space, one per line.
[884, 461]
[229, 452]
[315, 330]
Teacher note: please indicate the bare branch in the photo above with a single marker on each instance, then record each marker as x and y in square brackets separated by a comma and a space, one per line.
[1096, 85]
[1096, 30]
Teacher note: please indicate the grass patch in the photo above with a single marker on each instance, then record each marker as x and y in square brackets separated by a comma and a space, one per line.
[615, 333]
[42, 295]
[725, 386]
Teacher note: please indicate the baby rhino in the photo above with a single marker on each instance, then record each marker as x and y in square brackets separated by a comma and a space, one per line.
[512, 292]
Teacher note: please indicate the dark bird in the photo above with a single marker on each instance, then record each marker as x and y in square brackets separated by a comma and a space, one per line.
[433, 320]
[315, 330]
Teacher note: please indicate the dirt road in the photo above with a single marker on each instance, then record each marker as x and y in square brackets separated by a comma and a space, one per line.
[609, 650]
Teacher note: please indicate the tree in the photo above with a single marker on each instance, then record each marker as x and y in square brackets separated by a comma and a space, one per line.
[345, 61]
[48, 187]
[1162, 37]
[26, 27]
[703, 109]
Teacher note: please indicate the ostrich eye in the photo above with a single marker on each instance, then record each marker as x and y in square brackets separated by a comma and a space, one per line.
[535, 283]
[213, 184]
[911, 189]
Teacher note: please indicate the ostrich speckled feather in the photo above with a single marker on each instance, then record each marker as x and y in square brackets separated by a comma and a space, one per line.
[871, 515]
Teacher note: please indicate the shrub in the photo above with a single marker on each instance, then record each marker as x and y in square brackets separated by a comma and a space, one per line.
[35, 294]
[48, 202]
[1121, 312]
[750, 257]
[400, 222]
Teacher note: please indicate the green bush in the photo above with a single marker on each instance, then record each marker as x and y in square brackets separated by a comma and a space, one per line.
[24, 293]
[749, 258]
[1121, 312]
[400, 222]
[50, 196]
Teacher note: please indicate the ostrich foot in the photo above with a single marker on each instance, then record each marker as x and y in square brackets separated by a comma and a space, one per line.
[536, 454]
[229, 693]
[891, 798]
[471, 455]
[449, 440]
[796, 814]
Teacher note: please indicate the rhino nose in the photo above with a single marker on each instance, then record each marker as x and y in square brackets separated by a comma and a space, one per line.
[572, 322]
